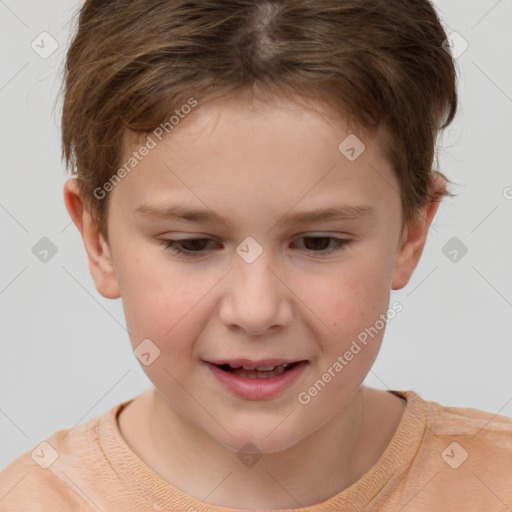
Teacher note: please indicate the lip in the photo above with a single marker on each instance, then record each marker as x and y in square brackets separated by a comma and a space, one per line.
[257, 389]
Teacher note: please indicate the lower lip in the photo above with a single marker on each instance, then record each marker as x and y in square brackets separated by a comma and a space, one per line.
[258, 389]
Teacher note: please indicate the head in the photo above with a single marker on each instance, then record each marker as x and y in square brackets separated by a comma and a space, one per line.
[248, 110]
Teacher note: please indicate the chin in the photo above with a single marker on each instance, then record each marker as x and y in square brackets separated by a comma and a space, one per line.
[261, 439]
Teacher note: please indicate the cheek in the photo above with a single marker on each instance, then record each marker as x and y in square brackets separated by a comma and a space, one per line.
[347, 298]
[160, 299]
[350, 302]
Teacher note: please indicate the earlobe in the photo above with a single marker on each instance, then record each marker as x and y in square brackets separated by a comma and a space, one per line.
[98, 251]
[409, 253]
[414, 238]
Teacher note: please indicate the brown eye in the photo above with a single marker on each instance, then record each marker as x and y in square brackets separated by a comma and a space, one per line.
[194, 244]
[323, 245]
[188, 247]
[317, 243]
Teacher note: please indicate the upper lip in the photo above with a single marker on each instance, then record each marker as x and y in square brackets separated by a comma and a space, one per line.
[249, 364]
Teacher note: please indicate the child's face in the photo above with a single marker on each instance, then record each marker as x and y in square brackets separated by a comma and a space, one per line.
[295, 302]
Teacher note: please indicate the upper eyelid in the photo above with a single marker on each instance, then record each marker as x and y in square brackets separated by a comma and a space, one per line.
[338, 238]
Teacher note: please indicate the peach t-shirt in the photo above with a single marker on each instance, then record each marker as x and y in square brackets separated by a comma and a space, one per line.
[439, 459]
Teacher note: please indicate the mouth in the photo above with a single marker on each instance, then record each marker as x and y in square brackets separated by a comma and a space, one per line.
[257, 380]
[261, 372]
[257, 369]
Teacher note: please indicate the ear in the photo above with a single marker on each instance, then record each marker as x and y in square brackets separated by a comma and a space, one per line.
[414, 237]
[98, 251]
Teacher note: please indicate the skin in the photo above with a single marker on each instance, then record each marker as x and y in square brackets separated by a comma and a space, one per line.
[252, 162]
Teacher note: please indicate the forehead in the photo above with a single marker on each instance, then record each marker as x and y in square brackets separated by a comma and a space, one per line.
[279, 149]
[246, 110]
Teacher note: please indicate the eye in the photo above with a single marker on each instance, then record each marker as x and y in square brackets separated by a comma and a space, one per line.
[195, 247]
[189, 247]
[324, 244]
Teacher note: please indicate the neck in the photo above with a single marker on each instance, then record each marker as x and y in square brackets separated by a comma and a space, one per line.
[329, 460]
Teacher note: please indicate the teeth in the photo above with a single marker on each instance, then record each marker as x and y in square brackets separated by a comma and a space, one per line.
[262, 368]
[260, 372]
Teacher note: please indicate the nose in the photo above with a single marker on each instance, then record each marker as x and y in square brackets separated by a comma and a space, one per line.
[255, 297]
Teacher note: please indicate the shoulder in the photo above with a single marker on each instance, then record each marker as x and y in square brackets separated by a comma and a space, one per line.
[25, 486]
[481, 434]
[479, 430]
[45, 477]
[464, 456]
[443, 422]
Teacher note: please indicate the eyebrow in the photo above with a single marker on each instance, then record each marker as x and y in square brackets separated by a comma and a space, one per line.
[333, 213]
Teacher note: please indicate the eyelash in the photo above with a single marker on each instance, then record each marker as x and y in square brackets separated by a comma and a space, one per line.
[174, 247]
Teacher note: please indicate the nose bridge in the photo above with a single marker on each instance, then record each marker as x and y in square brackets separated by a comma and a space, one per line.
[254, 298]
[253, 278]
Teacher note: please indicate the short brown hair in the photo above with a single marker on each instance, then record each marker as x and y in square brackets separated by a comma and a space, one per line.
[380, 63]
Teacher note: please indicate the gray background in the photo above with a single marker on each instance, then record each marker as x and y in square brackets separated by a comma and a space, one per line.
[64, 351]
